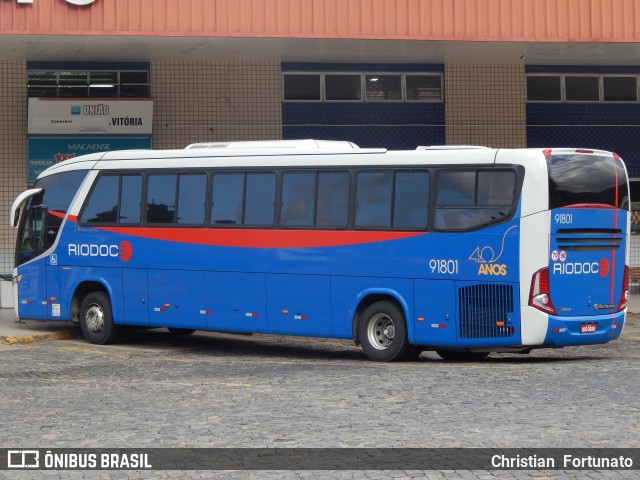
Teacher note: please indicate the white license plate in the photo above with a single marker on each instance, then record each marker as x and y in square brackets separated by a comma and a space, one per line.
[588, 328]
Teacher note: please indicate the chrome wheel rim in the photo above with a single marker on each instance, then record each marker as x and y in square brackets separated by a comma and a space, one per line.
[381, 331]
[94, 319]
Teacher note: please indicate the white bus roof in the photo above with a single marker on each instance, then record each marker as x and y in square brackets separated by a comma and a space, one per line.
[302, 154]
[308, 144]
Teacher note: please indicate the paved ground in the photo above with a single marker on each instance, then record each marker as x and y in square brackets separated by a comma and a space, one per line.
[153, 389]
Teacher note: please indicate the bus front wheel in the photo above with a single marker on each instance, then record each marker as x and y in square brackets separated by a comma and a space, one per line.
[96, 320]
[382, 332]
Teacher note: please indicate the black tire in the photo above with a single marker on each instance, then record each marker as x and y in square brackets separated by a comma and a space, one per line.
[96, 320]
[462, 356]
[180, 331]
[382, 332]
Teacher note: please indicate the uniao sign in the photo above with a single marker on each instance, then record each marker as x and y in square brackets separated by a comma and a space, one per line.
[80, 3]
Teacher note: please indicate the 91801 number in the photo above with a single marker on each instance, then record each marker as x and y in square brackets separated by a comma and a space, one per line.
[444, 267]
[564, 218]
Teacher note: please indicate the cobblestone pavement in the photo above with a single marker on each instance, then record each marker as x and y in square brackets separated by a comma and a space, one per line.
[152, 389]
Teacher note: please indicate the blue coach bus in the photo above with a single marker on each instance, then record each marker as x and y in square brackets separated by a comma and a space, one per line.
[465, 251]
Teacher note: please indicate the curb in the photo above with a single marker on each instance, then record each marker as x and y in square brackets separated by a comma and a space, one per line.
[12, 340]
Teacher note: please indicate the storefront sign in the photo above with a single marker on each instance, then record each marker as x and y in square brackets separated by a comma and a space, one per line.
[90, 117]
[47, 151]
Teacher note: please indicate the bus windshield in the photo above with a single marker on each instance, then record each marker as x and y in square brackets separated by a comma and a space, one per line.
[44, 212]
[578, 179]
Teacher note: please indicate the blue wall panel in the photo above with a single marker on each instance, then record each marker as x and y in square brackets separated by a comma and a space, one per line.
[399, 125]
[606, 126]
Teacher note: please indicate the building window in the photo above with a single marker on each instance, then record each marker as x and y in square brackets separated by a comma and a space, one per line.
[88, 83]
[302, 87]
[582, 88]
[544, 88]
[358, 87]
[620, 89]
[380, 88]
[343, 87]
[424, 88]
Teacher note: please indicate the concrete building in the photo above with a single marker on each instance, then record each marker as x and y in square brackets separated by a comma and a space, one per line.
[381, 73]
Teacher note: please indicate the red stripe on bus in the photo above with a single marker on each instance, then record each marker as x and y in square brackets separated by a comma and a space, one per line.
[263, 238]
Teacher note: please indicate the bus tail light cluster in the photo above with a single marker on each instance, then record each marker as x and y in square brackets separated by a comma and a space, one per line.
[624, 297]
[539, 295]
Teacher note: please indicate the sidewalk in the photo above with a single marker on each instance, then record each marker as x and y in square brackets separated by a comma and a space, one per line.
[26, 331]
[12, 331]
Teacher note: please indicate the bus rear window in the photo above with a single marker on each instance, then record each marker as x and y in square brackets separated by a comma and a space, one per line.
[576, 179]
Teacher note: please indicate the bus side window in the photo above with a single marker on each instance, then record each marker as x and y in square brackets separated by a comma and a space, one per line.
[333, 199]
[161, 198]
[130, 199]
[373, 199]
[496, 188]
[298, 199]
[467, 200]
[227, 198]
[411, 200]
[260, 198]
[102, 205]
[192, 194]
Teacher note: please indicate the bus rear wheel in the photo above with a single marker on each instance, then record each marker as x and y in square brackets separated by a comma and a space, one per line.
[96, 320]
[382, 332]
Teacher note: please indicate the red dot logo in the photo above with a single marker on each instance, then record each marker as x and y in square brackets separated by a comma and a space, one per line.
[125, 251]
[603, 268]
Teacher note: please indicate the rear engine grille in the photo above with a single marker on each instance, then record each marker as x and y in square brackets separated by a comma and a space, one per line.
[589, 239]
[484, 311]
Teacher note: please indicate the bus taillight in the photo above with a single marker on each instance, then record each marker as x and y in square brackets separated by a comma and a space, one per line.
[624, 297]
[539, 295]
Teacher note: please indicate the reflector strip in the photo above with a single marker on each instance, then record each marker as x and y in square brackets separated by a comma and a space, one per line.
[205, 312]
[250, 314]
[300, 317]
[559, 330]
[438, 325]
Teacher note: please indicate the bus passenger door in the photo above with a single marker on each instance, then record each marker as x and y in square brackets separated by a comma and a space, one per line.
[434, 307]
[32, 291]
[177, 299]
[299, 304]
[135, 293]
[236, 302]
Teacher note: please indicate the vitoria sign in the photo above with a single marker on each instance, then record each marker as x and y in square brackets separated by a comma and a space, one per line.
[72, 2]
